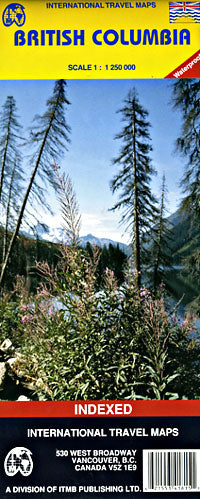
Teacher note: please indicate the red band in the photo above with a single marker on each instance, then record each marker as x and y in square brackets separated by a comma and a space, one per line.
[139, 408]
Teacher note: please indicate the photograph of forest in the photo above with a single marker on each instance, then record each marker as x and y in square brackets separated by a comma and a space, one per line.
[100, 242]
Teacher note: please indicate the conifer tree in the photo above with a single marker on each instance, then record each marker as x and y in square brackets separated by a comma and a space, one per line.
[187, 99]
[159, 252]
[134, 176]
[11, 170]
[10, 131]
[48, 138]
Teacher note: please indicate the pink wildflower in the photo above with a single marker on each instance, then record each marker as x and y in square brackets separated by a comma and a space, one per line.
[25, 319]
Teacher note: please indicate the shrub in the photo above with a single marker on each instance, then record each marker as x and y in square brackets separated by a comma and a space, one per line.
[119, 343]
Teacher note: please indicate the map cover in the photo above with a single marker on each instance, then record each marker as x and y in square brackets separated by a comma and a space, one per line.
[100, 249]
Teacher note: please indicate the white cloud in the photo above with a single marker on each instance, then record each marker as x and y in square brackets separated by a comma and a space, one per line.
[100, 224]
[103, 224]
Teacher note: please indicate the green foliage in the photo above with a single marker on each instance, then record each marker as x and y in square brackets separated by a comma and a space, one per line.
[10, 319]
[185, 236]
[91, 331]
[26, 252]
[134, 175]
[187, 99]
[111, 257]
[136, 148]
[158, 252]
[118, 343]
[10, 131]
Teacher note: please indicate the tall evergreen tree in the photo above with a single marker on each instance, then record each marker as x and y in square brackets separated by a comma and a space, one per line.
[134, 176]
[159, 252]
[11, 169]
[48, 138]
[186, 98]
[10, 131]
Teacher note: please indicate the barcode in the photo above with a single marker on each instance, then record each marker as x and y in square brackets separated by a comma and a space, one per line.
[171, 470]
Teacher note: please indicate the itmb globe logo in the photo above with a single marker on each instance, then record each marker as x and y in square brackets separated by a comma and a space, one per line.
[18, 460]
[14, 13]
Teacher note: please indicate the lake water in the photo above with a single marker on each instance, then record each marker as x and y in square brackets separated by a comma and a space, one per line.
[178, 288]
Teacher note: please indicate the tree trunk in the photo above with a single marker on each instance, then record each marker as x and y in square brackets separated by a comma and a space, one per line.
[157, 261]
[19, 221]
[136, 218]
[4, 155]
[5, 236]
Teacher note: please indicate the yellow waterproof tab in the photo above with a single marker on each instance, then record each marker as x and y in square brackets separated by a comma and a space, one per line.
[99, 39]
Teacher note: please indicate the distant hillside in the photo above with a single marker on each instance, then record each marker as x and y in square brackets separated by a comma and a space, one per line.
[29, 249]
[186, 236]
[175, 218]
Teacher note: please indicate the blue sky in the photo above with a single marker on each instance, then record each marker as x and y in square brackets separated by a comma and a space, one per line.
[94, 123]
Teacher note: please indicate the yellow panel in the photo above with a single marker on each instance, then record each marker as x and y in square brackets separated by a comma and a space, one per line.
[123, 23]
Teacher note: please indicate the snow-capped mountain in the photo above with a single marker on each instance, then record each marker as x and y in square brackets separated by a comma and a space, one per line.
[57, 235]
[101, 241]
